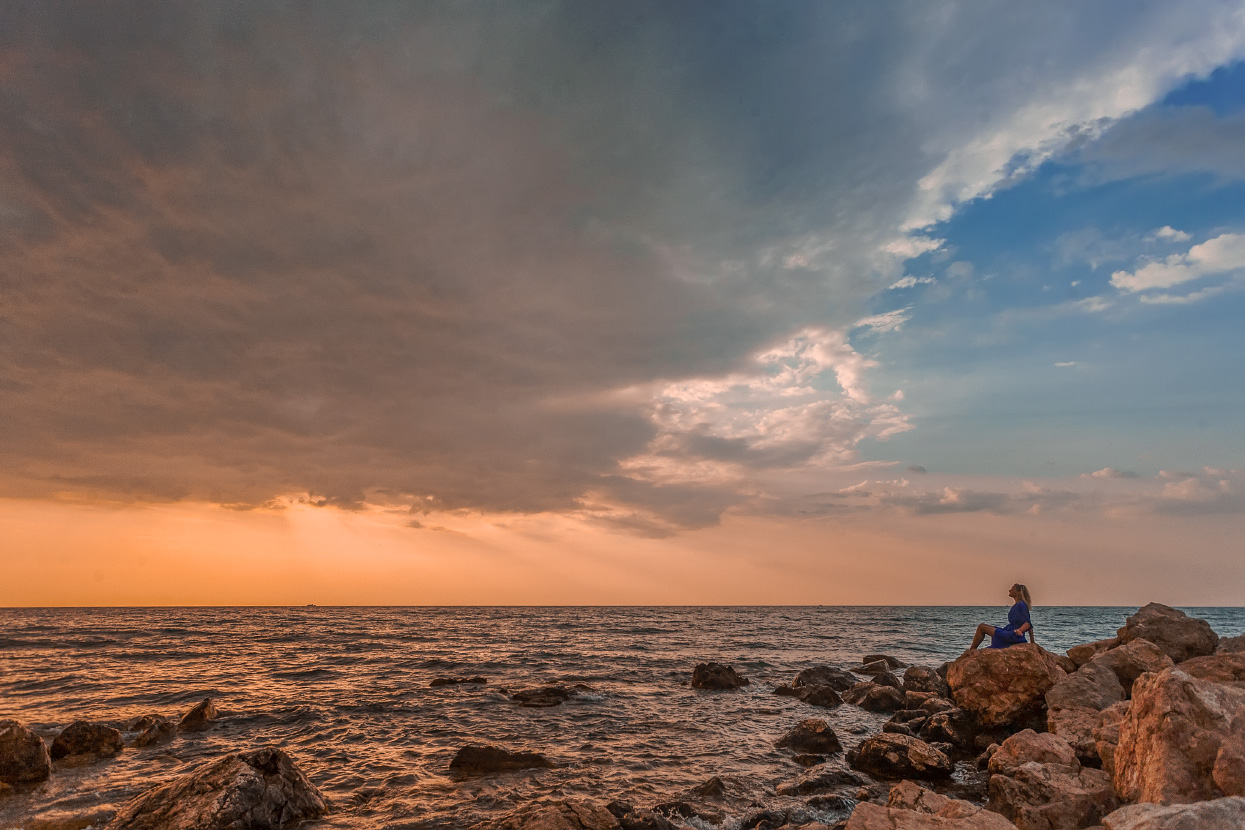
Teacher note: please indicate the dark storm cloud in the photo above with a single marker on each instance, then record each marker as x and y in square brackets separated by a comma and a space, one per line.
[385, 252]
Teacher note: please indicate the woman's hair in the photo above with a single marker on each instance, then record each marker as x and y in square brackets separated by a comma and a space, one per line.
[1024, 594]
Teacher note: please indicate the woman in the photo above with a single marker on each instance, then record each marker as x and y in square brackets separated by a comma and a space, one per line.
[1018, 623]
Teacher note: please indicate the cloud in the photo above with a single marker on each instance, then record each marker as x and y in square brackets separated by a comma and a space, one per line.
[887, 321]
[1221, 255]
[1168, 141]
[1067, 363]
[1110, 472]
[909, 282]
[1168, 234]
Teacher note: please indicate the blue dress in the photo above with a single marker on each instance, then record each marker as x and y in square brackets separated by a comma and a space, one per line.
[1007, 636]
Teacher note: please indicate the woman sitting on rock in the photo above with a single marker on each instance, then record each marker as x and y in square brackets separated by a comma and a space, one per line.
[1018, 623]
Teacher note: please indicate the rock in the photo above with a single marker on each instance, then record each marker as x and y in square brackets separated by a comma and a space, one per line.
[437, 682]
[911, 807]
[808, 759]
[1074, 702]
[1003, 685]
[823, 696]
[891, 662]
[89, 739]
[1178, 636]
[1052, 797]
[24, 758]
[886, 678]
[1231, 645]
[684, 810]
[922, 679]
[1228, 667]
[139, 724]
[812, 735]
[957, 727]
[765, 820]
[874, 698]
[891, 756]
[1229, 770]
[260, 790]
[937, 704]
[559, 815]
[1219, 814]
[1032, 747]
[160, 729]
[717, 676]
[630, 818]
[1082, 654]
[199, 717]
[876, 667]
[1076, 725]
[544, 697]
[715, 787]
[1132, 660]
[1065, 663]
[838, 679]
[1171, 736]
[786, 691]
[1107, 735]
[474, 759]
[820, 782]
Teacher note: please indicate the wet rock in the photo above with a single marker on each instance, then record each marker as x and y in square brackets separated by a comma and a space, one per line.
[836, 803]
[887, 678]
[1231, 645]
[561, 815]
[1227, 667]
[1132, 660]
[893, 756]
[765, 820]
[1107, 735]
[1219, 814]
[874, 698]
[1171, 736]
[141, 723]
[957, 727]
[475, 759]
[437, 682]
[1032, 747]
[936, 704]
[808, 759]
[630, 818]
[1074, 702]
[1052, 797]
[684, 810]
[911, 807]
[1177, 635]
[891, 662]
[1003, 685]
[260, 790]
[823, 696]
[80, 738]
[812, 735]
[717, 676]
[199, 717]
[157, 731]
[544, 697]
[715, 787]
[922, 679]
[838, 679]
[876, 667]
[820, 782]
[24, 758]
[787, 691]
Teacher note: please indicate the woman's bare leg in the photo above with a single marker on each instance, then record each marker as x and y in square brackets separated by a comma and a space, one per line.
[983, 631]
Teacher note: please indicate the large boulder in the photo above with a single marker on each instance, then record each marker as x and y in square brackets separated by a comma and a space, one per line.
[199, 717]
[1132, 660]
[1076, 725]
[874, 698]
[838, 679]
[1082, 654]
[24, 758]
[1171, 737]
[912, 807]
[812, 735]
[1028, 746]
[957, 727]
[474, 759]
[1221, 667]
[1003, 685]
[260, 790]
[1219, 814]
[891, 756]
[1178, 635]
[1052, 797]
[716, 676]
[924, 679]
[560, 815]
[1073, 704]
[88, 740]
[1229, 769]
[1107, 734]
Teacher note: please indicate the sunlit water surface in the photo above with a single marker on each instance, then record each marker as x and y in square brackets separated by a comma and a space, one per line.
[346, 691]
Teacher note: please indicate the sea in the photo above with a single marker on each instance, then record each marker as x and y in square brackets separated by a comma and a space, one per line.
[346, 691]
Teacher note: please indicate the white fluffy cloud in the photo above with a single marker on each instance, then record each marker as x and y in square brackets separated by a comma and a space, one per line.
[1223, 255]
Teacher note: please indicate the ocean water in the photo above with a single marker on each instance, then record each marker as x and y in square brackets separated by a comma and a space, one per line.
[346, 691]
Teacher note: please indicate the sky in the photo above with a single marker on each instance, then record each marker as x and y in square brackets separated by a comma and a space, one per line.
[648, 303]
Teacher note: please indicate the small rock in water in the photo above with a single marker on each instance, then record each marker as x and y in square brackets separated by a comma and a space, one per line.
[838, 679]
[629, 818]
[161, 729]
[893, 756]
[457, 681]
[717, 676]
[544, 697]
[874, 698]
[807, 759]
[820, 782]
[199, 717]
[811, 735]
[92, 740]
[922, 679]
[715, 787]
[139, 724]
[891, 662]
[482, 760]
[560, 815]
[260, 790]
[823, 696]
[24, 758]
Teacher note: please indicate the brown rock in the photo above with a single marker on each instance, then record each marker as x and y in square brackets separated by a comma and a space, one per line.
[823, 696]
[812, 735]
[158, 730]
[1220, 814]
[957, 727]
[1171, 736]
[260, 790]
[139, 724]
[1226, 667]
[1229, 770]
[911, 807]
[1107, 735]
[891, 662]
[923, 679]
[560, 815]
[1052, 797]
[1132, 660]
[438, 682]
[544, 697]
[717, 676]
[1094, 686]
[89, 739]
[820, 782]
[838, 679]
[937, 704]
[1084, 653]
[874, 698]
[1076, 725]
[1032, 747]
[890, 756]
[1231, 645]
[1003, 685]
[24, 758]
[887, 678]
[199, 717]
[1178, 635]
[475, 759]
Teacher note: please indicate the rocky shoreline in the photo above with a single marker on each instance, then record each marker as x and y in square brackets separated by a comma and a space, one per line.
[1143, 731]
